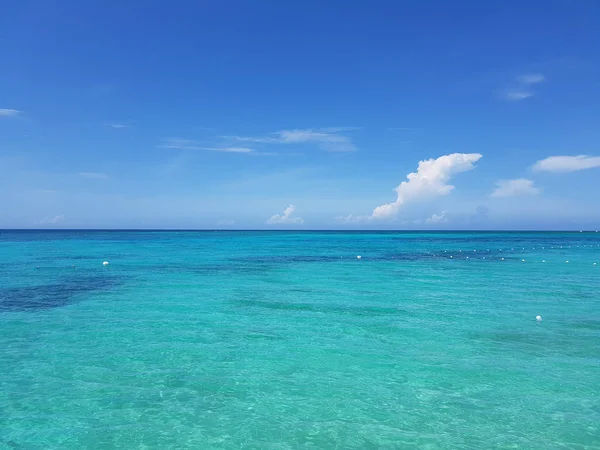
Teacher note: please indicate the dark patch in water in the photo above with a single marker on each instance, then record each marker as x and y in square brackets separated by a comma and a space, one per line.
[48, 296]
[311, 307]
[211, 269]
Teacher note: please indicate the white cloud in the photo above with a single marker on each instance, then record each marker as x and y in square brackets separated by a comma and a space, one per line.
[350, 218]
[511, 188]
[429, 180]
[522, 89]
[532, 78]
[118, 125]
[567, 163]
[515, 95]
[329, 139]
[10, 112]
[437, 218]
[286, 217]
[52, 220]
[186, 144]
[94, 175]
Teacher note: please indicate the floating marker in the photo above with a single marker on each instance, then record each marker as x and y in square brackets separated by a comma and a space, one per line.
[105, 263]
[543, 260]
[538, 318]
[502, 259]
[594, 264]
[358, 257]
[567, 262]
[522, 260]
[467, 257]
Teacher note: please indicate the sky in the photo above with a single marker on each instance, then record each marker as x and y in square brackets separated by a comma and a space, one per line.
[300, 114]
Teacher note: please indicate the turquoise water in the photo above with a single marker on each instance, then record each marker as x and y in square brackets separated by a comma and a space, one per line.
[282, 340]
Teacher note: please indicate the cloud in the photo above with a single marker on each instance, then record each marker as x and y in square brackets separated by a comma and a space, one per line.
[329, 139]
[532, 78]
[94, 175]
[350, 218]
[512, 188]
[10, 112]
[567, 163]
[523, 87]
[429, 180]
[515, 95]
[52, 220]
[437, 218]
[186, 144]
[286, 217]
[118, 125]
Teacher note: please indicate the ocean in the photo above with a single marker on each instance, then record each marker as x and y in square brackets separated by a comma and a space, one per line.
[287, 340]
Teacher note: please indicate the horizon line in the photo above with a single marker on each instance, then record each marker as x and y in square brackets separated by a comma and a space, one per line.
[453, 230]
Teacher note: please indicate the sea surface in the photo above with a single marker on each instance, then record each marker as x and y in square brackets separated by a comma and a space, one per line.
[286, 340]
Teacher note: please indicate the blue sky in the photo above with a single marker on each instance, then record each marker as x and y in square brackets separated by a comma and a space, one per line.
[300, 114]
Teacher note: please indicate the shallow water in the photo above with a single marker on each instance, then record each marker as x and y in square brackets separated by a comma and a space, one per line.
[285, 340]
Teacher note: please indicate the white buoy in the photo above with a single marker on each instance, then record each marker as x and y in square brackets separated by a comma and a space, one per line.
[467, 257]
[451, 256]
[594, 264]
[502, 259]
[538, 318]
[358, 257]
[567, 262]
[522, 260]
[543, 260]
[105, 263]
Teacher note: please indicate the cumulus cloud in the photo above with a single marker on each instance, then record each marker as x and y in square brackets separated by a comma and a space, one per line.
[512, 188]
[567, 163]
[10, 112]
[430, 179]
[329, 139]
[187, 144]
[523, 88]
[52, 220]
[437, 218]
[286, 217]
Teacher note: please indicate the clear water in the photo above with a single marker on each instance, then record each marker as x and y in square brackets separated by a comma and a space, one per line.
[281, 340]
